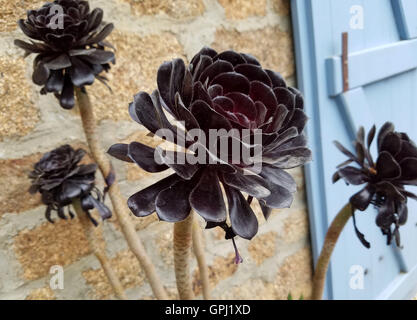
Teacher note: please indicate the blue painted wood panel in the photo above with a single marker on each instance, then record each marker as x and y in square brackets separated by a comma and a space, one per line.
[396, 58]
[383, 79]
[404, 11]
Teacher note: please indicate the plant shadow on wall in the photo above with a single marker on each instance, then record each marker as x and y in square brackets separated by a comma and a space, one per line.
[217, 91]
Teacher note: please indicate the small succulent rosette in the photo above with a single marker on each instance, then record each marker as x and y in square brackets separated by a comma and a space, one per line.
[69, 42]
[227, 92]
[384, 180]
[60, 179]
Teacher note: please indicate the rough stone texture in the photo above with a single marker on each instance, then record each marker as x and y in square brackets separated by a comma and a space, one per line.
[298, 176]
[263, 247]
[61, 243]
[11, 11]
[242, 9]
[177, 9]
[295, 276]
[271, 46]
[295, 226]
[254, 287]
[165, 246]
[18, 113]
[281, 7]
[41, 294]
[14, 175]
[222, 268]
[147, 33]
[137, 61]
[127, 269]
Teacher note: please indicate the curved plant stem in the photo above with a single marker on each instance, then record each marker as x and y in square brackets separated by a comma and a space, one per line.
[198, 248]
[119, 204]
[94, 234]
[182, 252]
[332, 235]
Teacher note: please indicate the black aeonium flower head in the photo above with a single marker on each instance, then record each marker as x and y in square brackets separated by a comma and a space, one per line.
[223, 91]
[385, 179]
[70, 47]
[60, 179]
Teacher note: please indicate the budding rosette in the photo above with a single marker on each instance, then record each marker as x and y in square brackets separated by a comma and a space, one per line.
[60, 179]
[385, 180]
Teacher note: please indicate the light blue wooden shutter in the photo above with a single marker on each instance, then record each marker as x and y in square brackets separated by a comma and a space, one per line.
[383, 87]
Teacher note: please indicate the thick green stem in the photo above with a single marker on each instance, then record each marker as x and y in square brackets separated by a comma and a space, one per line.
[182, 252]
[332, 236]
[120, 208]
[93, 235]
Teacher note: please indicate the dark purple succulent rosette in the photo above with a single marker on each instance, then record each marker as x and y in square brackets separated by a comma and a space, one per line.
[225, 90]
[67, 57]
[385, 180]
[60, 179]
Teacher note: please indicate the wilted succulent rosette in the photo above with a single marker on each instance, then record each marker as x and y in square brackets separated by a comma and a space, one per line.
[60, 180]
[69, 46]
[385, 179]
[226, 91]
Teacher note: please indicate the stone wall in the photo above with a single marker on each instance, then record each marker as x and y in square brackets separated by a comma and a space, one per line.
[277, 261]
